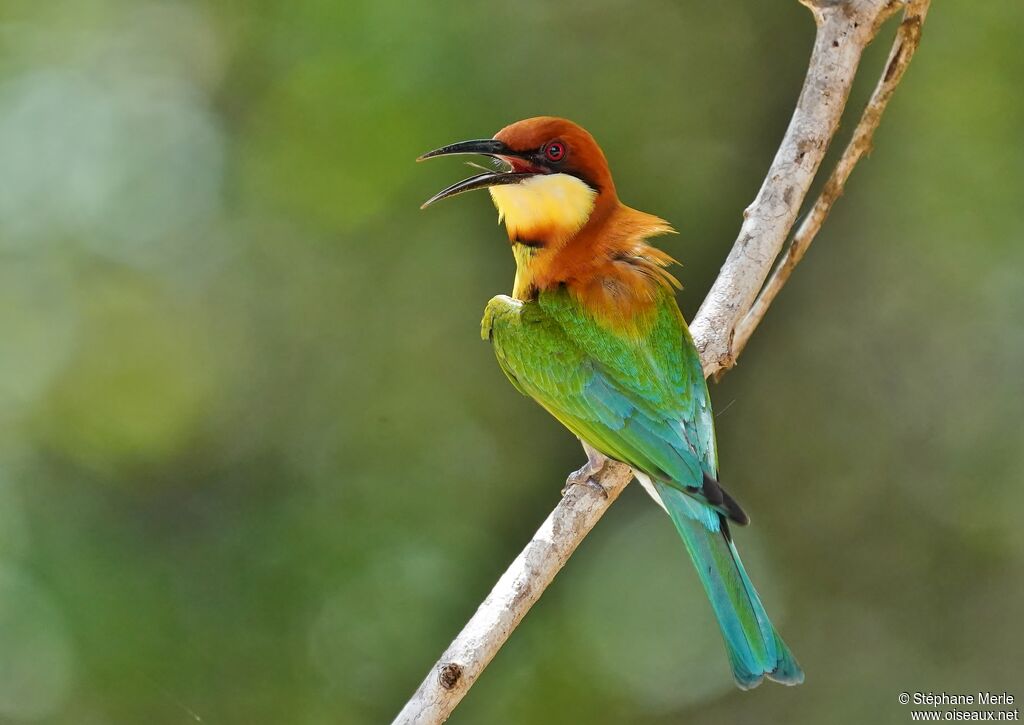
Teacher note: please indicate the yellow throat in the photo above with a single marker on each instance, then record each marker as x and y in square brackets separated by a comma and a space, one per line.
[546, 207]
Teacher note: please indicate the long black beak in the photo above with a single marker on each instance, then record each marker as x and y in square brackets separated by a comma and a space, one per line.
[483, 147]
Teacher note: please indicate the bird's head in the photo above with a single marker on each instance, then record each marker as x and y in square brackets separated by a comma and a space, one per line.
[551, 178]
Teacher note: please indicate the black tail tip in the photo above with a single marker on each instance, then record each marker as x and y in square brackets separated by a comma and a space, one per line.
[736, 513]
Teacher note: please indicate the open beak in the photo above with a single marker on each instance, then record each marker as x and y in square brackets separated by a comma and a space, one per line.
[484, 147]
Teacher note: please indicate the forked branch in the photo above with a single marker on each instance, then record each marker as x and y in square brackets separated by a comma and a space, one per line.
[908, 37]
[724, 323]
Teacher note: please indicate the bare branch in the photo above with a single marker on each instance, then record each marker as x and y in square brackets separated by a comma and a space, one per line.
[511, 598]
[908, 37]
[844, 29]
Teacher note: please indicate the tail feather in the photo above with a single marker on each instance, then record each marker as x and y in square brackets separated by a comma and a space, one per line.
[755, 649]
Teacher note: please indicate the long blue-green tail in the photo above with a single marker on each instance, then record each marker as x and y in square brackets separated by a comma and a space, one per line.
[755, 649]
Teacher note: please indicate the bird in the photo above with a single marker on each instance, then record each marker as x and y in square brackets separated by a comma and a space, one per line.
[593, 333]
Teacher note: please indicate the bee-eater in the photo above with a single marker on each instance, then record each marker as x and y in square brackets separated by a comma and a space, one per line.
[593, 333]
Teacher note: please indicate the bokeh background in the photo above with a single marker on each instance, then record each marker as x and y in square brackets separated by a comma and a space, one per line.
[256, 465]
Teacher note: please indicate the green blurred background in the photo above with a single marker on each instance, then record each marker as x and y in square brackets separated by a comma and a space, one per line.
[256, 465]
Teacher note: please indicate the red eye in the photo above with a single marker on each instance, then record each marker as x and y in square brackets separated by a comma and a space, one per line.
[555, 151]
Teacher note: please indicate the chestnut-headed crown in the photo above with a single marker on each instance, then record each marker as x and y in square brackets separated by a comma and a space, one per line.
[554, 192]
[554, 178]
[541, 146]
[558, 145]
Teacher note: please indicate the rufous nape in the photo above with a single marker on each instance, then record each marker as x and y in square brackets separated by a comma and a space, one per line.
[593, 333]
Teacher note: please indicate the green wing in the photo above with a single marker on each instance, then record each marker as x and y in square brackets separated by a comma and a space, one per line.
[643, 402]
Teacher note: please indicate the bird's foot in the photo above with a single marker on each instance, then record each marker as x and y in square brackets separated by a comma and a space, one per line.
[587, 474]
